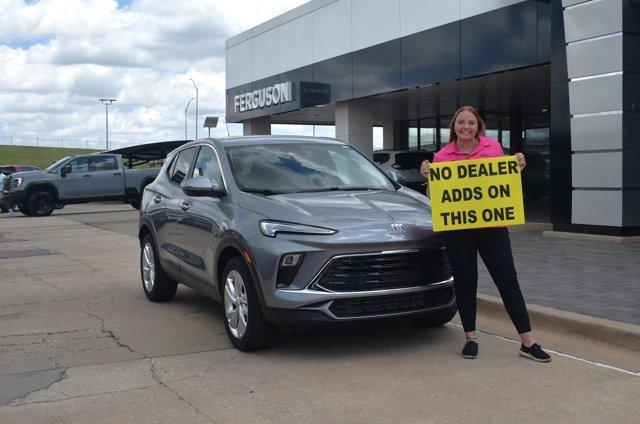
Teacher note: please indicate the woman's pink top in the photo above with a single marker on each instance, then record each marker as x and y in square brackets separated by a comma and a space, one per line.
[486, 148]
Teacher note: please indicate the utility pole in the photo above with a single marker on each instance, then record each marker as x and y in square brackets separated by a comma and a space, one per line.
[185, 118]
[196, 87]
[106, 103]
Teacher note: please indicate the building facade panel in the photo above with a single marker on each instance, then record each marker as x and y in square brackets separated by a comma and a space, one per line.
[477, 7]
[374, 22]
[332, 31]
[593, 57]
[602, 132]
[631, 208]
[602, 94]
[239, 64]
[499, 40]
[420, 15]
[593, 19]
[377, 69]
[296, 43]
[427, 57]
[266, 55]
[595, 207]
[601, 169]
[337, 72]
[544, 32]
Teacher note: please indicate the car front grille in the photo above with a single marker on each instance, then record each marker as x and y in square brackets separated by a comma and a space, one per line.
[391, 304]
[382, 271]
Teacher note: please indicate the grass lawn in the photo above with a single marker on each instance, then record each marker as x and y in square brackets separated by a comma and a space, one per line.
[38, 156]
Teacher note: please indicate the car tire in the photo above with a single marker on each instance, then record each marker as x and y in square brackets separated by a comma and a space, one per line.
[246, 326]
[435, 320]
[40, 203]
[157, 286]
[4, 208]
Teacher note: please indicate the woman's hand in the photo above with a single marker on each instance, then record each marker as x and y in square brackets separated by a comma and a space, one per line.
[424, 169]
[521, 162]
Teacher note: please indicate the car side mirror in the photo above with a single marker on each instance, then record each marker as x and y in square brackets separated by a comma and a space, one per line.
[202, 187]
[63, 172]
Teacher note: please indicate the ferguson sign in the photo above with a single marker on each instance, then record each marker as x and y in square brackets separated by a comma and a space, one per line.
[264, 97]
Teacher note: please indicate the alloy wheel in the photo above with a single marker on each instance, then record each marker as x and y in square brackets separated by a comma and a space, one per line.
[148, 267]
[236, 305]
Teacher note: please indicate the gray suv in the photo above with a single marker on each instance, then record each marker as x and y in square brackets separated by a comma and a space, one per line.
[290, 231]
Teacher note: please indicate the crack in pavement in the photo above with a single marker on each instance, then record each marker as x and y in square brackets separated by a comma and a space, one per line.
[157, 378]
[111, 334]
[16, 400]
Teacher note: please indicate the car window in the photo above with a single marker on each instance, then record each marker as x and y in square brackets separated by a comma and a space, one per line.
[103, 163]
[412, 160]
[78, 165]
[207, 165]
[181, 165]
[381, 158]
[7, 170]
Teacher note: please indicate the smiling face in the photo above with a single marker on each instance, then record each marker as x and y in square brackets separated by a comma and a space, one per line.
[466, 126]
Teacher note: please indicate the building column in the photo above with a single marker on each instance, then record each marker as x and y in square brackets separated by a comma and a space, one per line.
[391, 135]
[354, 124]
[602, 84]
[257, 126]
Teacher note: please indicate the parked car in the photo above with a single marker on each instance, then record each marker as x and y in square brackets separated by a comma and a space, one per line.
[290, 231]
[403, 166]
[76, 179]
[6, 171]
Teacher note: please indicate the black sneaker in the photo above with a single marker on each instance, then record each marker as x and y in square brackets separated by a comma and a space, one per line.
[470, 349]
[534, 352]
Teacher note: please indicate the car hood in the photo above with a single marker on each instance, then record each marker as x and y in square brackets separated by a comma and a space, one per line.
[341, 210]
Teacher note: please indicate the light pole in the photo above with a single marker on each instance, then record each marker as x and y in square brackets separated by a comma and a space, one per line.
[196, 87]
[106, 103]
[185, 118]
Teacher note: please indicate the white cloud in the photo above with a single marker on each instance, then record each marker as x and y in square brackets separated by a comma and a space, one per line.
[57, 57]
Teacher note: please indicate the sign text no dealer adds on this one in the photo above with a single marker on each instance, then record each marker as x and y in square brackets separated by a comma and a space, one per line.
[476, 193]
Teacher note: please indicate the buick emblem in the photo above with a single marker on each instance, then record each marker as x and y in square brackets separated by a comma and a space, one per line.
[398, 228]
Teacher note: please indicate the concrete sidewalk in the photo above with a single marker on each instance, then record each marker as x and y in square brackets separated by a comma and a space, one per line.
[596, 278]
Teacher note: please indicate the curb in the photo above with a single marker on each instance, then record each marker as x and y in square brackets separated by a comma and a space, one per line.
[590, 237]
[620, 334]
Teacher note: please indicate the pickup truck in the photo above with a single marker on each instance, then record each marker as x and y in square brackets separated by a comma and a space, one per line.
[76, 179]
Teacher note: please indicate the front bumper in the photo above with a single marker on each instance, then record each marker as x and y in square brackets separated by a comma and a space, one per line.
[359, 306]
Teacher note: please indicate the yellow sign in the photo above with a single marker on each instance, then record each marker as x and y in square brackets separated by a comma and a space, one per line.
[476, 193]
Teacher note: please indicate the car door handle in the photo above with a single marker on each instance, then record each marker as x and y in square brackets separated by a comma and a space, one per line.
[117, 173]
[184, 206]
[86, 176]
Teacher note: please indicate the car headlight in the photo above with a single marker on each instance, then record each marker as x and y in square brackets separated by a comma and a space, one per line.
[17, 182]
[272, 228]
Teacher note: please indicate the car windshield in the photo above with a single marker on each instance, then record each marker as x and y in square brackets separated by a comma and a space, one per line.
[55, 165]
[303, 167]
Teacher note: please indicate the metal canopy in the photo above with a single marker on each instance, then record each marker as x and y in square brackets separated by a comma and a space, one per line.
[143, 153]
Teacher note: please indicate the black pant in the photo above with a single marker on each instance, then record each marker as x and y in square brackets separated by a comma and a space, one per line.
[494, 247]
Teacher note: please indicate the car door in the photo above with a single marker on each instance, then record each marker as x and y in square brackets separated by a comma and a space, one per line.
[106, 176]
[165, 209]
[76, 184]
[201, 222]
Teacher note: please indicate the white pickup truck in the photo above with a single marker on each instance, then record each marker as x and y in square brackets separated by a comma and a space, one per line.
[76, 179]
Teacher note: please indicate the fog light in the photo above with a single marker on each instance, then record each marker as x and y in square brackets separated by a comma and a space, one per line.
[290, 260]
[289, 265]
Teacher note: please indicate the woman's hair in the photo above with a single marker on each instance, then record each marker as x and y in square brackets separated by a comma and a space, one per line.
[481, 126]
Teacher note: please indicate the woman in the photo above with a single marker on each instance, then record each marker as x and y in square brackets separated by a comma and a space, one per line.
[467, 141]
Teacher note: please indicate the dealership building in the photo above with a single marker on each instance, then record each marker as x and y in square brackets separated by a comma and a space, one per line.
[556, 79]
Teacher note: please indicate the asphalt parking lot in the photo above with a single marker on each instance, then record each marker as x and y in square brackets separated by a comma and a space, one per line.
[79, 342]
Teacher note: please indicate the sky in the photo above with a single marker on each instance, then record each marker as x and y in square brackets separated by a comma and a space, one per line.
[57, 57]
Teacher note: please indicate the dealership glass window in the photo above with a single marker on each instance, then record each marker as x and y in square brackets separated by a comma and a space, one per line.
[428, 139]
[413, 135]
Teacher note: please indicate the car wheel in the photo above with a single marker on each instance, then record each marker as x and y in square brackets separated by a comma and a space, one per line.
[246, 326]
[435, 320]
[157, 286]
[40, 203]
[4, 208]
